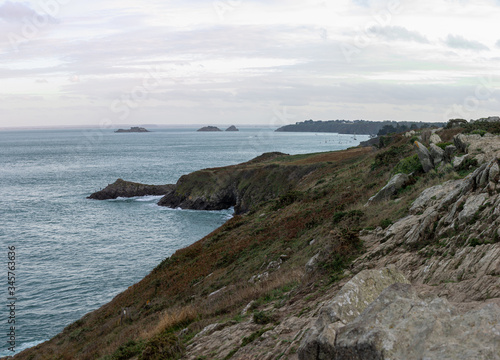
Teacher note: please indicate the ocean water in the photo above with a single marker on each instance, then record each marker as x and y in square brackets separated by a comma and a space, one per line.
[73, 254]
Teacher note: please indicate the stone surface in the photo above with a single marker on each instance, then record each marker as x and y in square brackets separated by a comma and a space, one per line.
[448, 152]
[347, 305]
[232, 128]
[424, 156]
[437, 154]
[400, 325]
[435, 139]
[458, 160]
[122, 188]
[397, 182]
[460, 141]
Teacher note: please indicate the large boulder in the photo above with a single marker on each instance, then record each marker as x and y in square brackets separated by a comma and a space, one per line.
[397, 182]
[346, 306]
[435, 139]
[437, 154]
[400, 325]
[424, 156]
[460, 141]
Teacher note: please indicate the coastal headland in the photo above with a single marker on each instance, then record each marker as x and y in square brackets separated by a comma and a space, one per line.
[329, 255]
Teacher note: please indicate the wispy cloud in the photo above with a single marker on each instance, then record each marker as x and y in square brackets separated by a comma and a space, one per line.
[393, 33]
[459, 42]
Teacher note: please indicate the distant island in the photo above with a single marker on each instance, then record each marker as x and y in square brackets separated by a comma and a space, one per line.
[360, 127]
[232, 128]
[209, 128]
[134, 129]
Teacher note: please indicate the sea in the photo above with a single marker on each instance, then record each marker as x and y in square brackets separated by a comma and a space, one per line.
[67, 255]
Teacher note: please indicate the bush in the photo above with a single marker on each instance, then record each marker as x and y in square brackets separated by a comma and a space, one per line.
[385, 223]
[130, 349]
[408, 165]
[443, 145]
[163, 346]
[262, 318]
[479, 132]
[287, 199]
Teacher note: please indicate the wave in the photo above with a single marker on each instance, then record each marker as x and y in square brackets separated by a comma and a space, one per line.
[146, 198]
[22, 347]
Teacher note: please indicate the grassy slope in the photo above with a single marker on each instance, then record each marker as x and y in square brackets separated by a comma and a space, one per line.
[326, 205]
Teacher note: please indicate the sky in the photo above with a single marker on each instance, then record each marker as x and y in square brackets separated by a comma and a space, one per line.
[246, 62]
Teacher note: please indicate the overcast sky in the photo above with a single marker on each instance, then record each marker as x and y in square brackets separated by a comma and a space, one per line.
[263, 62]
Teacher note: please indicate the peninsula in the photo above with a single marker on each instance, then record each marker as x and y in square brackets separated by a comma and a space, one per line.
[134, 129]
[358, 127]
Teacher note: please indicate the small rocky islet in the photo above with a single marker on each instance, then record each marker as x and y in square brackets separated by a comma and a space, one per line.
[133, 129]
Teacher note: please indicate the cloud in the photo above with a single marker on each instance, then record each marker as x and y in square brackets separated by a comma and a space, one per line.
[497, 44]
[41, 81]
[459, 42]
[18, 12]
[393, 33]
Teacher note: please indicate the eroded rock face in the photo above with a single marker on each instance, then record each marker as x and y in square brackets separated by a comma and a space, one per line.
[400, 325]
[397, 182]
[346, 306]
[122, 188]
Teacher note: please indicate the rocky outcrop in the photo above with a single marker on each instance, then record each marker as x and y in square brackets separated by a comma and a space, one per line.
[122, 188]
[134, 129]
[424, 156]
[401, 325]
[232, 128]
[209, 128]
[397, 182]
[378, 315]
[346, 306]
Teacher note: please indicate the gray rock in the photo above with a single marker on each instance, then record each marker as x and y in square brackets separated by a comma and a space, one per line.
[494, 171]
[448, 152]
[458, 160]
[312, 264]
[437, 154]
[347, 305]
[435, 139]
[397, 182]
[424, 156]
[400, 325]
[460, 141]
[472, 204]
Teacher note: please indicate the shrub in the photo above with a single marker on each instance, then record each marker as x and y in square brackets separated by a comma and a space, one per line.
[385, 223]
[443, 145]
[287, 199]
[163, 346]
[479, 132]
[408, 165]
[128, 350]
[262, 318]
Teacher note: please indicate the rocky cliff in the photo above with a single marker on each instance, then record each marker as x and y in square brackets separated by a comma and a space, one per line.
[315, 271]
